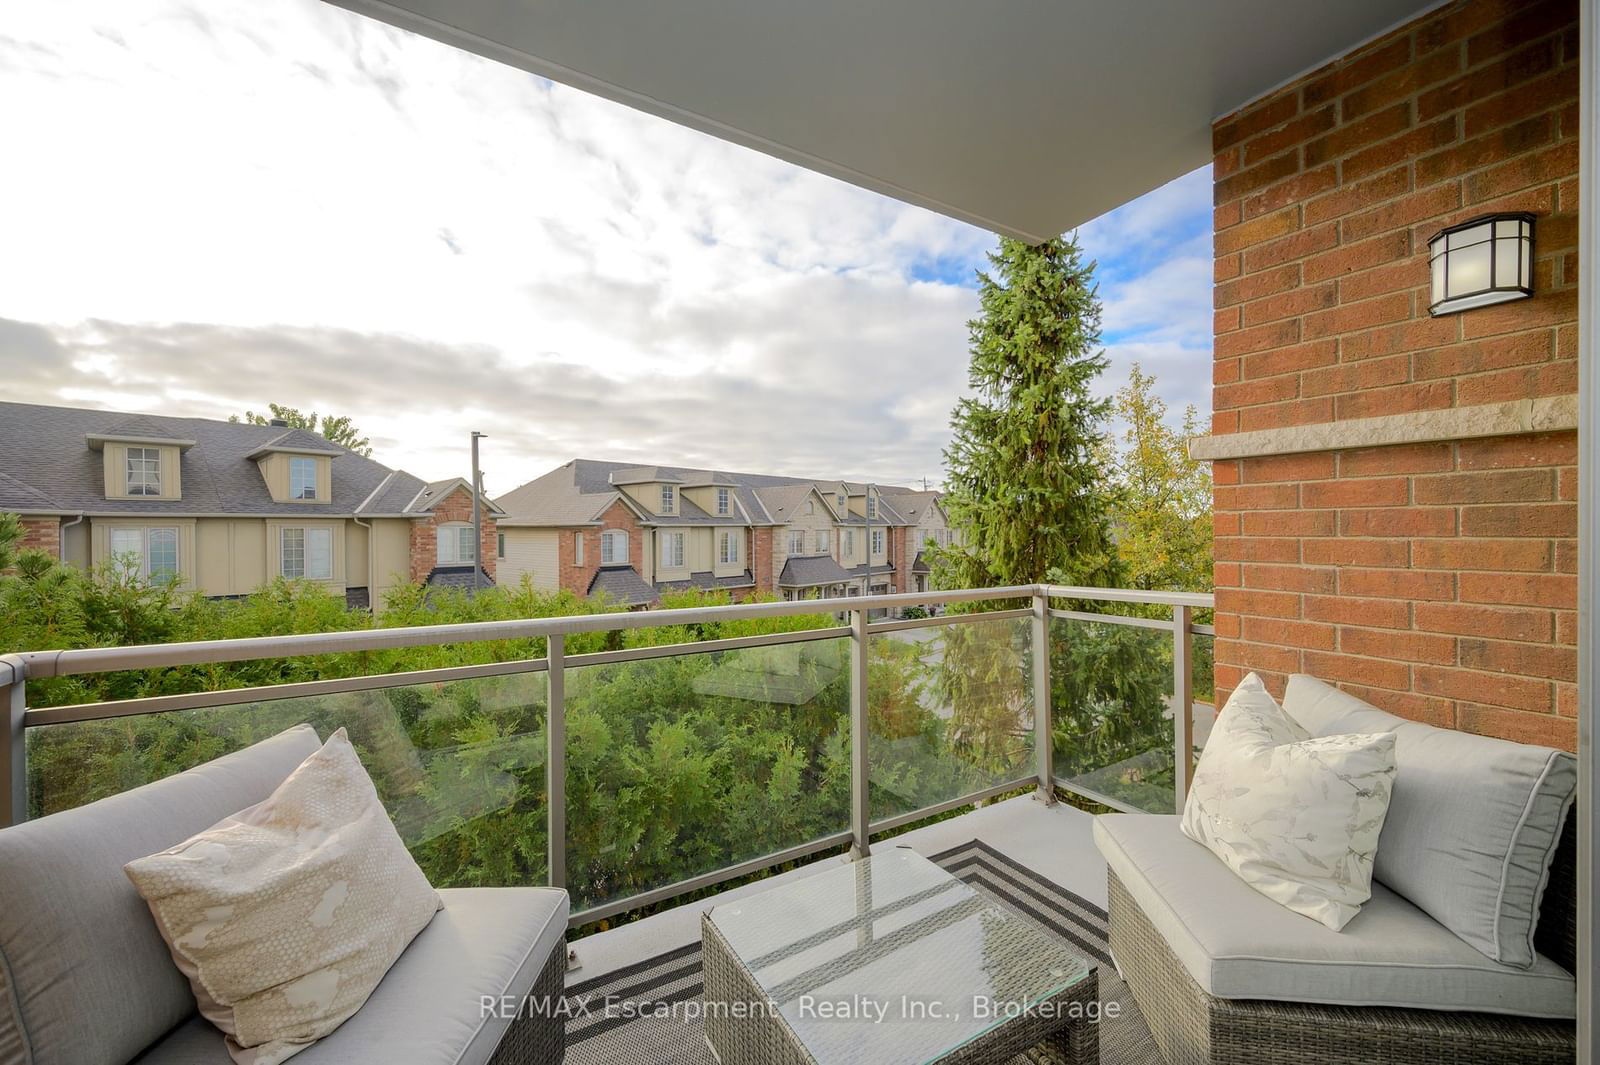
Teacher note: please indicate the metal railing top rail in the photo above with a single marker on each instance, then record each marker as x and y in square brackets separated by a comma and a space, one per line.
[59, 663]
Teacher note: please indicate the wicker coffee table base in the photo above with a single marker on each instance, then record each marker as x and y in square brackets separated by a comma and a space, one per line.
[758, 1037]
[1193, 1028]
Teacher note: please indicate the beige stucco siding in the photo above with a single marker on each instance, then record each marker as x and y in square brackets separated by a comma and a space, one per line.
[389, 551]
[75, 542]
[529, 553]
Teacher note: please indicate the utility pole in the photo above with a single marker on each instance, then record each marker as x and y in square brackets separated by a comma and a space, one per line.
[477, 515]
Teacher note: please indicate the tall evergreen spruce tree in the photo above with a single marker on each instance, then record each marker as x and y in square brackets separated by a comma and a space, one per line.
[1024, 481]
[1029, 487]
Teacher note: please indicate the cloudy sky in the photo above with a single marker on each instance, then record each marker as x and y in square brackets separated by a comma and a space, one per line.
[217, 204]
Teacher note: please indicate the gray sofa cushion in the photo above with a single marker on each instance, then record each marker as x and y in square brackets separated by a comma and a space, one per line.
[485, 943]
[1238, 944]
[84, 976]
[1473, 820]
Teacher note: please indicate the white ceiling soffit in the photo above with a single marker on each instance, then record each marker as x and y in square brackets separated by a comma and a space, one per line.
[1026, 117]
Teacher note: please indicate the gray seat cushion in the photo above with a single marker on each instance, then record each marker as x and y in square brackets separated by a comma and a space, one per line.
[487, 943]
[1238, 944]
[85, 978]
[1473, 821]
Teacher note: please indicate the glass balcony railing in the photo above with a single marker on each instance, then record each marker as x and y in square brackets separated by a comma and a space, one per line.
[664, 764]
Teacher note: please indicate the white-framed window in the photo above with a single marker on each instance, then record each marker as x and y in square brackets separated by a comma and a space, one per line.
[305, 552]
[144, 471]
[877, 541]
[499, 545]
[672, 550]
[456, 545]
[811, 506]
[724, 501]
[872, 506]
[151, 553]
[669, 499]
[614, 548]
[577, 549]
[849, 543]
[823, 546]
[302, 477]
[728, 546]
[797, 541]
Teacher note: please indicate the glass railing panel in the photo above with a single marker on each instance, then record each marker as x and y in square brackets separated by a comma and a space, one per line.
[1205, 688]
[950, 712]
[685, 765]
[1111, 704]
[458, 764]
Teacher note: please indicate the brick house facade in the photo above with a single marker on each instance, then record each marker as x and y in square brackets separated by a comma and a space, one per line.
[453, 508]
[1396, 493]
[577, 576]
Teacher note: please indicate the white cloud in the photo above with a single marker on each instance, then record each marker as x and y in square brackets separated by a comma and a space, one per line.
[246, 201]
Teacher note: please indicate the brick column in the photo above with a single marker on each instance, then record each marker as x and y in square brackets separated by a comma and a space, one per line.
[1433, 577]
[899, 542]
[761, 561]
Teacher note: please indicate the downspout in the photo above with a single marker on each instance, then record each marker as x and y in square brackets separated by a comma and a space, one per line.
[61, 536]
[372, 592]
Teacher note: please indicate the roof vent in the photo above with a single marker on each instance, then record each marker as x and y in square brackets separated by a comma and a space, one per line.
[280, 423]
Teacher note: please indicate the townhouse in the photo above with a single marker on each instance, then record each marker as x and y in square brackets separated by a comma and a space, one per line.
[224, 507]
[634, 533]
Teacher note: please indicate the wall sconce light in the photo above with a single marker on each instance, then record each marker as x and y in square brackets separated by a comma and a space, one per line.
[1482, 262]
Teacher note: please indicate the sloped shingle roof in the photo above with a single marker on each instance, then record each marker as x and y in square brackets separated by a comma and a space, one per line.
[48, 455]
[803, 571]
[622, 584]
[575, 493]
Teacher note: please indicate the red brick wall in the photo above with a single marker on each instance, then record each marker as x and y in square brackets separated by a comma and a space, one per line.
[456, 507]
[761, 561]
[899, 542]
[41, 534]
[1435, 580]
[575, 576]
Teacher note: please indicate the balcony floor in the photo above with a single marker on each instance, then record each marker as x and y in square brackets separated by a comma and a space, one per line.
[1053, 841]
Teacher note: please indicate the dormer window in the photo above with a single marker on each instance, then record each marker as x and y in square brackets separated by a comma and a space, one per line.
[144, 471]
[841, 502]
[872, 506]
[724, 501]
[302, 478]
[669, 499]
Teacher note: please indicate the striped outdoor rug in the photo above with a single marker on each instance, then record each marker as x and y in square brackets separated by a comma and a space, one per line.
[637, 1036]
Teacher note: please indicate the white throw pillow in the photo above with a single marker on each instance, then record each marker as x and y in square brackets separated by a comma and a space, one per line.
[1294, 817]
[285, 916]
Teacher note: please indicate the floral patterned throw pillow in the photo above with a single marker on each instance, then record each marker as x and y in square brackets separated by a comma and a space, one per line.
[1295, 817]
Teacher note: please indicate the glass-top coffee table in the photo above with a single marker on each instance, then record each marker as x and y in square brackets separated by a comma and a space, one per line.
[885, 961]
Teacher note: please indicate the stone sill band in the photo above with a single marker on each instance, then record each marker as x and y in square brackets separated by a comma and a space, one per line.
[1545, 415]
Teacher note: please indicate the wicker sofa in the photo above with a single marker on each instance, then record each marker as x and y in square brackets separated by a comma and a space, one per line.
[1222, 974]
[85, 978]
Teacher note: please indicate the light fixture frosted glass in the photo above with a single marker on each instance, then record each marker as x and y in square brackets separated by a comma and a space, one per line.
[1482, 262]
